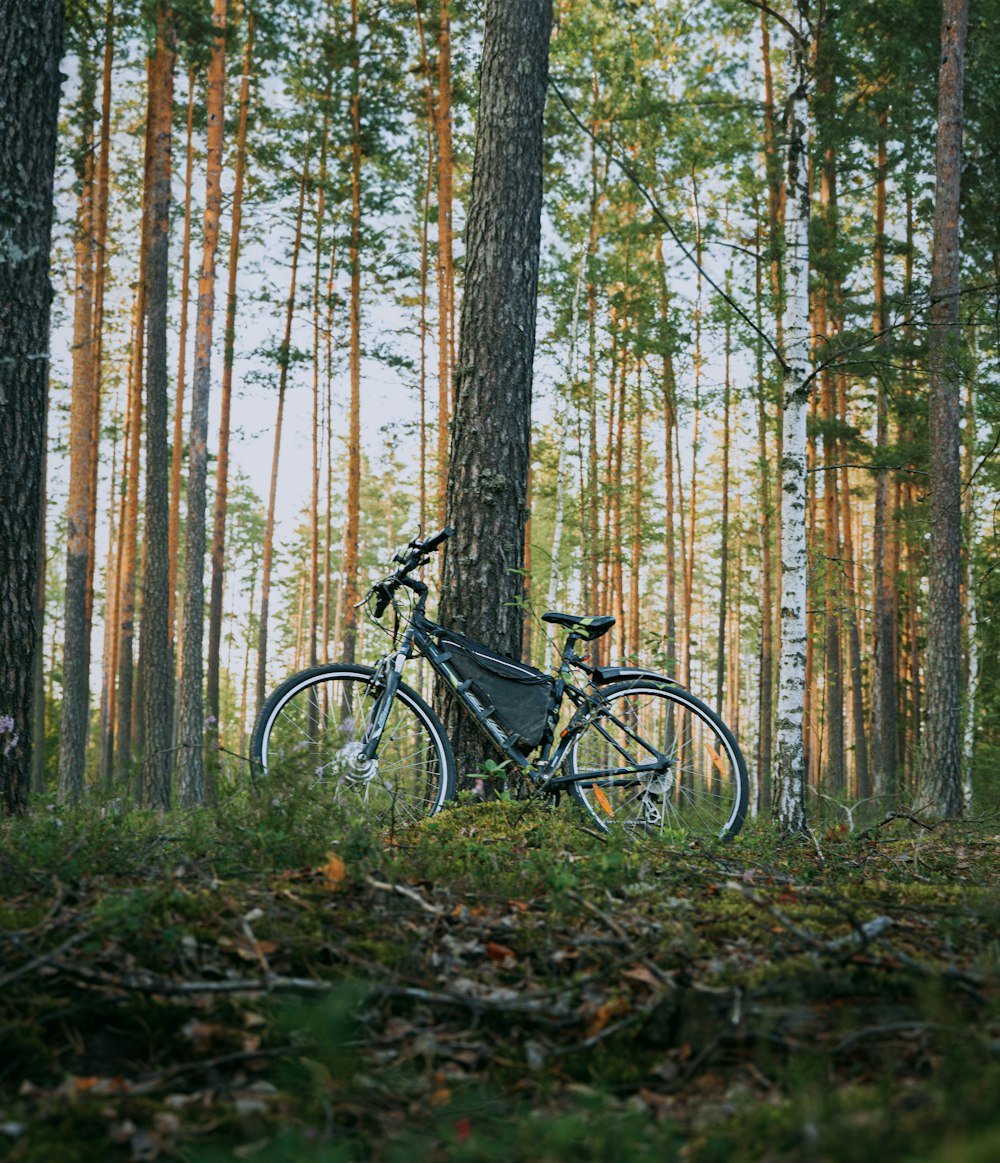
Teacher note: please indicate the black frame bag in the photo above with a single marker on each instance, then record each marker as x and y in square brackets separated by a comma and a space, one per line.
[515, 694]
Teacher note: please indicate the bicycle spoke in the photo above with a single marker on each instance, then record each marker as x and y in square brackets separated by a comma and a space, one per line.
[698, 785]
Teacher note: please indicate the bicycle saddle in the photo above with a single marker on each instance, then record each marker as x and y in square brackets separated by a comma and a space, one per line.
[588, 627]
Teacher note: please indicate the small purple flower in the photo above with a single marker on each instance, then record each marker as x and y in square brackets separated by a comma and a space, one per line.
[6, 724]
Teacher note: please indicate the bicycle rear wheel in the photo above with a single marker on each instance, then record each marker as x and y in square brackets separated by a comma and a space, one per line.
[656, 759]
[316, 723]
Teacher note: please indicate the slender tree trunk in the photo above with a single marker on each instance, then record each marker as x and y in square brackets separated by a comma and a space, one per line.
[861, 768]
[328, 518]
[191, 773]
[354, 417]
[555, 574]
[669, 430]
[100, 229]
[226, 397]
[720, 660]
[791, 767]
[616, 547]
[445, 268]
[177, 450]
[489, 450]
[635, 553]
[130, 538]
[425, 262]
[75, 719]
[314, 564]
[109, 660]
[266, 565]
[884, 724]
[971, 583]
[765, 743]
[941, 779]
[155, 668]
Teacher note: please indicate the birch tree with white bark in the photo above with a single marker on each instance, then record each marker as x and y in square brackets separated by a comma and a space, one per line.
[790, 757]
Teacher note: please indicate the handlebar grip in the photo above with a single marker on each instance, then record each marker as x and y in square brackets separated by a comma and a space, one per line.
[382, 599]
[432, 543]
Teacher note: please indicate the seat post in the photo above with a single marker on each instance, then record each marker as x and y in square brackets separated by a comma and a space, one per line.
[571, 641]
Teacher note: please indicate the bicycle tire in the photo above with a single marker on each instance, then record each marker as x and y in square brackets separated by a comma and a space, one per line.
[700, 790]
[314, 723]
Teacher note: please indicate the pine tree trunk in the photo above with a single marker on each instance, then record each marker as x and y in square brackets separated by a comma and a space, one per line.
[490, 442]
[268, 558]
[314, 564]
[971, 518]
[177, 451]
[75, 718]
[424, 260]
[30, 50]
[130, 539]
[226, 398]
[101, 199]
[555, 574]
[446, 271]
[790, 766]
[156, 670]
[635, 554]
[190, 770]
[884, 723]
[940, 777]
[351, 533]
[863, 786]
[669, 430]
[590, 519]
[110, 656]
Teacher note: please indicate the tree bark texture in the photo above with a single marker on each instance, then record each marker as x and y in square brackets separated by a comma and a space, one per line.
[75, 717]
[222, 464]
[884, 722]
[267, 560]
[445, 262]
[30, 48]
[940, 779]
[790, 765]
[487, 479]
[191, 777]
[155, 666]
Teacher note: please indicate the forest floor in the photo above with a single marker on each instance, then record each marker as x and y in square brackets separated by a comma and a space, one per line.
[498, 982]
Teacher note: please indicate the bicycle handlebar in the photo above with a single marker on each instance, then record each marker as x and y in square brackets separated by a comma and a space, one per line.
[420, 556]
[439, 538]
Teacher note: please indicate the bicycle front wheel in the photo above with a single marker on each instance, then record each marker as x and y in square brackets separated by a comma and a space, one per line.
[317, 723]
[656, 759]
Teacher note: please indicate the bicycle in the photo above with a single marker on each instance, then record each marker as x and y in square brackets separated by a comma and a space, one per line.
[636, 750]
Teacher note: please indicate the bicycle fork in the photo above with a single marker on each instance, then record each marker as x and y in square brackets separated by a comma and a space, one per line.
[374, 733]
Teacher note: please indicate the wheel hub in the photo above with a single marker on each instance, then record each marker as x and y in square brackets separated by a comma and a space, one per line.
[355, 766]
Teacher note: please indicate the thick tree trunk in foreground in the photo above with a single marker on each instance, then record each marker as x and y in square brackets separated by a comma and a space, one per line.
[30, 48]
[488, 472]
[940, 777]
[790, 759]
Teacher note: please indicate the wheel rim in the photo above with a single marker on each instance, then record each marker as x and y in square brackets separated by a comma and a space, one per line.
[696, 785]
[318, 731]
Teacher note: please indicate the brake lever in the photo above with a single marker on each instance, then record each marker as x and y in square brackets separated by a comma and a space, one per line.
[382, 600]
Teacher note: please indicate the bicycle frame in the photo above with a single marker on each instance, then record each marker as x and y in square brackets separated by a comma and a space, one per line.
[419, 638]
